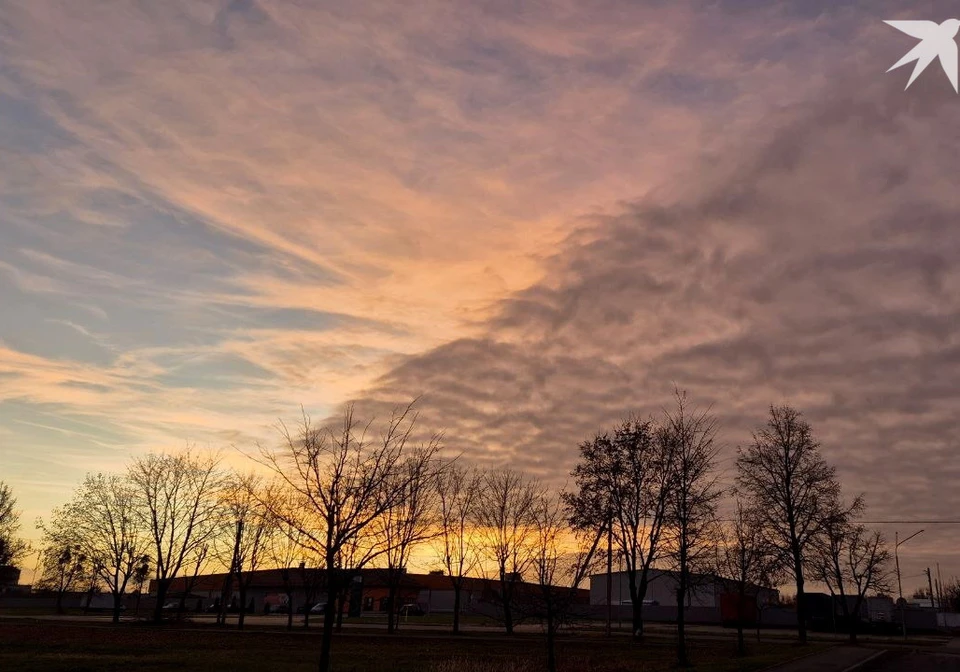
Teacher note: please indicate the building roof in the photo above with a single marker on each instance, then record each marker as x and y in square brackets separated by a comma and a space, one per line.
[296, 578]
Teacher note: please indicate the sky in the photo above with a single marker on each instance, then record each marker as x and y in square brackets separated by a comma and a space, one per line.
[536, 217]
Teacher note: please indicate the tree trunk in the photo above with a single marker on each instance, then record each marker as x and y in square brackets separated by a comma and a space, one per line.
[243, 603]
[843, 608]
[290, 610]
[682, 660]
[741, 599]
[181, 606]
[507, 594]
[637, 614]
[801, 603]
[162, 587]
[116, 607]
[341, 598]
[637, 606]
[551, 643]
[456, 608]
[855, 621]
[326, 639]
[759, 616]
[391, 607]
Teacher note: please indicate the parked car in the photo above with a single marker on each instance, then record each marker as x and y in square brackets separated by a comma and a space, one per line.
[411, 610]
[646, 603]
[318, 608]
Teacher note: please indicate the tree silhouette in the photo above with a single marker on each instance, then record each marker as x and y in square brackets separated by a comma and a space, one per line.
[792, 487]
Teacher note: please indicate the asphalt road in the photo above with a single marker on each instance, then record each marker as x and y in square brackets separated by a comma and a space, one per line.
[917, 661]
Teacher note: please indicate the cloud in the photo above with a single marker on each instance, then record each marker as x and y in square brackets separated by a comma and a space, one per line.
[811, 266]
[541, 218]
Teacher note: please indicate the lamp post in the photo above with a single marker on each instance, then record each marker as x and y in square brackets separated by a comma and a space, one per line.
[896, 558]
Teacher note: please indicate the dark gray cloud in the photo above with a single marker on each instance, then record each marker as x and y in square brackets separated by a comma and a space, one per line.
[815, 263]
[283, 200]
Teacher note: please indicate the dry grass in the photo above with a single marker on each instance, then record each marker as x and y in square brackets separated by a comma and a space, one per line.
[34, 646]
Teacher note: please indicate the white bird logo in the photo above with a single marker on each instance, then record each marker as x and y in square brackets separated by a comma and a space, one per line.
[937, 40]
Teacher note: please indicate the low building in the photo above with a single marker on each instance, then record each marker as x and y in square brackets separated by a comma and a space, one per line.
[272, 590]
[709, 598]
[9, 577]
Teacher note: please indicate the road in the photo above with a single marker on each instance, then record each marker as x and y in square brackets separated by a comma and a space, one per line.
[917, 661]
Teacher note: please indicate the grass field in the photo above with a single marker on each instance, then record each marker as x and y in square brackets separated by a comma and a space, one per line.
[52, 646]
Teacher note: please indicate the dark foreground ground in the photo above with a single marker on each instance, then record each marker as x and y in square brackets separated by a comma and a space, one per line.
[52, 646]
[918, 661]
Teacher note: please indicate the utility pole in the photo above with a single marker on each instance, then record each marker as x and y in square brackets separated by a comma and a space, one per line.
[939, 588]
[610, 576]
[896, 558]
[930, 583]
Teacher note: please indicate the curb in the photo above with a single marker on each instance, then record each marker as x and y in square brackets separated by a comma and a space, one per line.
[810, 654]
[863, 663]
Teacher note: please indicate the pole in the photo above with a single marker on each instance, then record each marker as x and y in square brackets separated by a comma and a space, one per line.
[620, 596]
[939, 588]
[610, 576]
[896, 558]
[930, 582]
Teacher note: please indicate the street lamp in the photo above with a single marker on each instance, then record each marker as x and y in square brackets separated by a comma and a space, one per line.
[896, 558]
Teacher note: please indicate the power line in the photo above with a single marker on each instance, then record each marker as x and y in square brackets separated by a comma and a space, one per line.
[911, 522]
[884, 522]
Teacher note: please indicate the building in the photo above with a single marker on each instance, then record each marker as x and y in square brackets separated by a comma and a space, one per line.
[709, 598]
[271, 590]
[9, 577]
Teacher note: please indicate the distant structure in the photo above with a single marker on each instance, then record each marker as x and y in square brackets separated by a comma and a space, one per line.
[9, 577]
[710, 598]
[418, 593]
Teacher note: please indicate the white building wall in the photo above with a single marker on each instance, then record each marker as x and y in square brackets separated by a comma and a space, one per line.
[661, 588]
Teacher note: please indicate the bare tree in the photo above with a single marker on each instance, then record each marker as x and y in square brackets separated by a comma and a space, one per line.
[851, 561]
[504, 525]
[748, 561]
[624, 482]
[110, 531]
[457, 491]
[411, 518]
[788, 481]
[339, 480]
[951, 594]
[63, 564]
[286, 546]
[367, 546]
[313, 579]
[200, 561]
[12, 547]
[247, 529]
[179, 500]
[92, 582]
[561, 560]
[285, 549]
[689, 435]
[140, 575]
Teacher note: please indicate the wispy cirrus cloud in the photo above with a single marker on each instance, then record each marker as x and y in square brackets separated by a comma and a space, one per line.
[540, 217]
